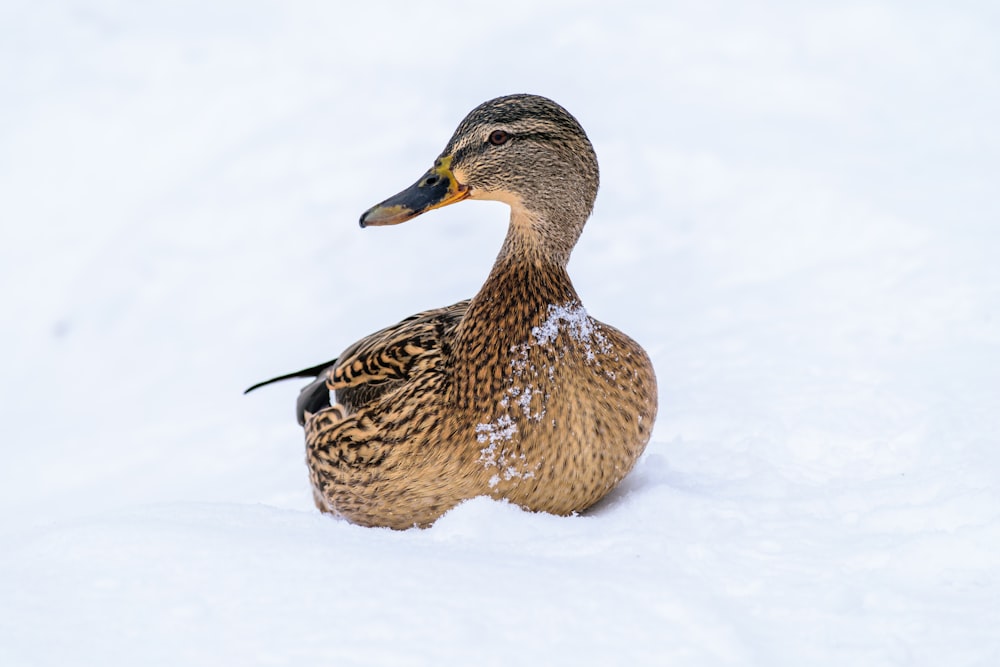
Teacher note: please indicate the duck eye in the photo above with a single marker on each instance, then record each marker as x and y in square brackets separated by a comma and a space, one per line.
[499, 137]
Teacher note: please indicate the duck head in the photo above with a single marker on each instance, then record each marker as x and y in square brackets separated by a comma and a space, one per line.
[523, 150]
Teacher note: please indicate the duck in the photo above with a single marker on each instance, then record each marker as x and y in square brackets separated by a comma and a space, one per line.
[517, 394]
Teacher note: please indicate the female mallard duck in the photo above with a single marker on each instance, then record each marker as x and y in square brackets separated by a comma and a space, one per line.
[515, 394]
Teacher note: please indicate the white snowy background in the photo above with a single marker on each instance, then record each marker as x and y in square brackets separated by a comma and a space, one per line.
[798, 219]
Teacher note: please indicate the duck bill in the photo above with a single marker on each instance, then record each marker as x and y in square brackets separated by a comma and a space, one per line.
[437, 188]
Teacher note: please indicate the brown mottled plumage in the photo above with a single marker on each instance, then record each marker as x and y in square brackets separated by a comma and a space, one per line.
[515, 394]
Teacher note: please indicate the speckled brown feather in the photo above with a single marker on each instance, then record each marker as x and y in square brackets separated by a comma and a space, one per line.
[380, 362]
[516, 394]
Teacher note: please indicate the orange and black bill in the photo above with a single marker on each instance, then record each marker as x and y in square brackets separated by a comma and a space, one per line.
[437, 188]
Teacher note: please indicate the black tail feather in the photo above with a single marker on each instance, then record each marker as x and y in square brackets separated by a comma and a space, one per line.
[314, 397]
[311, 372]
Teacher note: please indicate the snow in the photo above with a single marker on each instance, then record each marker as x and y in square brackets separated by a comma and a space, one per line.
[798, 220]
[574, 320]
[494, 455]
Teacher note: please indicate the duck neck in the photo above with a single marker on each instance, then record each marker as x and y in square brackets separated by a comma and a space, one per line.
[530, 271]
[546, 239]
[524, 282]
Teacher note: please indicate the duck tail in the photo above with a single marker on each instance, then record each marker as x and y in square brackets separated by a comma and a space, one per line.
[314, 396]
[311, 372]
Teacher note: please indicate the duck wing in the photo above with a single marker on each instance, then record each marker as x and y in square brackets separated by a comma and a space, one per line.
[377, 363]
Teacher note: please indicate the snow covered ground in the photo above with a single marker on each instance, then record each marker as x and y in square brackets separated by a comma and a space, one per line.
[798, 218]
